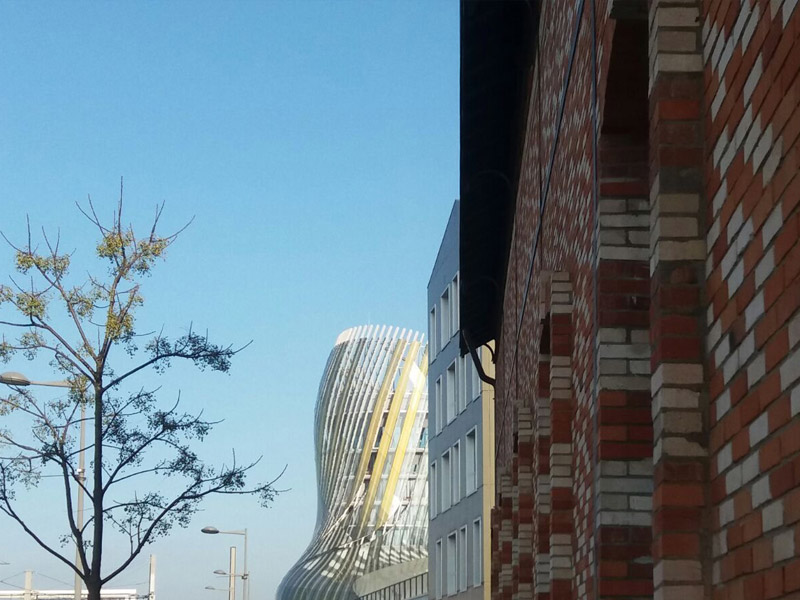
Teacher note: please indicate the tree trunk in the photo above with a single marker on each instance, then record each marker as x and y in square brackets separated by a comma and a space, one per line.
[93, 586]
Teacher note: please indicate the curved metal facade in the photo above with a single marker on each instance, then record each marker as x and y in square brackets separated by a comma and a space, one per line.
[371, 449]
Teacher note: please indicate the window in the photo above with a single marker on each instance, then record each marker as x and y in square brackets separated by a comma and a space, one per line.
[439, 415]
[471, 449]
[477, 552]
[462, 559]
[444, 318]
[450, 392]
[432, 334]
[438, 574]
[452, 552]
[446, 479]
[461, 396]
[454, 306]
[455, 466]
[433, 485]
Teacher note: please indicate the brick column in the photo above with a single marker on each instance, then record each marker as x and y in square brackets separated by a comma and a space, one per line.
[496, 520]
[525, 504]
[506, 538]
[542, 471]
[678, 251]
[624, 435]
[562, 403]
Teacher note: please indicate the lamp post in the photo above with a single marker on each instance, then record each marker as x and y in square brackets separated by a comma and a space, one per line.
[245, 573]
[13, 378]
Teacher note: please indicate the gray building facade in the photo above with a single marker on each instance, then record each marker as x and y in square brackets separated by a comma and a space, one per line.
[461, 447]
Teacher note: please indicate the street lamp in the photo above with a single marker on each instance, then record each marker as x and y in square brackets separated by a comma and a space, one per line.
[245, 573]
[15, 379]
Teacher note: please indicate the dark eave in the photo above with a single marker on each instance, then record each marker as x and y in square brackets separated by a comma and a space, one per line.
[497, 38]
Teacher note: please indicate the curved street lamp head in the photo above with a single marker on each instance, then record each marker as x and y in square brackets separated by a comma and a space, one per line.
[210, 530]
[14, 378]
[210, 587]
[220, 572]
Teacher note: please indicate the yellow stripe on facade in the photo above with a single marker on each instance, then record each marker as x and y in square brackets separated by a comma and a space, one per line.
[386, 441]
[402, 444]
[377, 412]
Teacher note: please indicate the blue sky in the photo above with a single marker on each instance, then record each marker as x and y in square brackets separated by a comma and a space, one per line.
[316, 146]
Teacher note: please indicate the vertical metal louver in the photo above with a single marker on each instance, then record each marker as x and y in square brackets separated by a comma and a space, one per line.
[370, 438]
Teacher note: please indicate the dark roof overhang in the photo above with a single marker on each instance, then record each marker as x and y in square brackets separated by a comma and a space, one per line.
[497, 42]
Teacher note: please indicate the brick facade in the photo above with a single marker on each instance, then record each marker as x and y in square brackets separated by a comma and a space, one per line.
[648, 356]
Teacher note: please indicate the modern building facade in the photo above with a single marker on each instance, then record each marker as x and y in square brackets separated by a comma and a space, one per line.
[461, 476]
[371, 438]
[630, 236]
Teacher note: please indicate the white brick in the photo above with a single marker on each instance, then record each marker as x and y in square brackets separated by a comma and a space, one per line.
[723, 404]
[676, 374]
[733, 480]
[624, 350]
[788, 9]
[728, 260]
[745, 236]
[677, 17]
[722, 141]
[674, 398]
[747, 347]
[680, 446]
[763, 146]
[724, 458]
[750, 468]
[754, 311]
[716, 103]
[727, 159]
[726, 512]
[790, 369]
[756, 369]
[731, 366]
[725, 57]
[713, 235]
[794, 331]
[722, 351]
[736, 278]
[750, 29]
[720, 196]
[738, 26]
[752, 137]
[734, 223]
[720, 543]
[760, 492]
[683, 63]
[714, 333]
[743, 127]
[752, 79]
[765, 267]
[641, 502]
[783, 546]
[773, 160]
[759, 429]
[772, 516]
[635, 518]
[772, 225]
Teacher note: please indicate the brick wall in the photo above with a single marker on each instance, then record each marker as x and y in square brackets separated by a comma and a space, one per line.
[648, 367]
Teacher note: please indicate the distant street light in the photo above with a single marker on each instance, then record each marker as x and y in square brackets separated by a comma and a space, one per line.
[16, 379]
[211, 530]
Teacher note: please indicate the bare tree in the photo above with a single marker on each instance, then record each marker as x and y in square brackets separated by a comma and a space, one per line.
[135, 443]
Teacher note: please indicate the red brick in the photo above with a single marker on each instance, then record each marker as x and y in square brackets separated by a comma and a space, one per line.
[781, 479]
